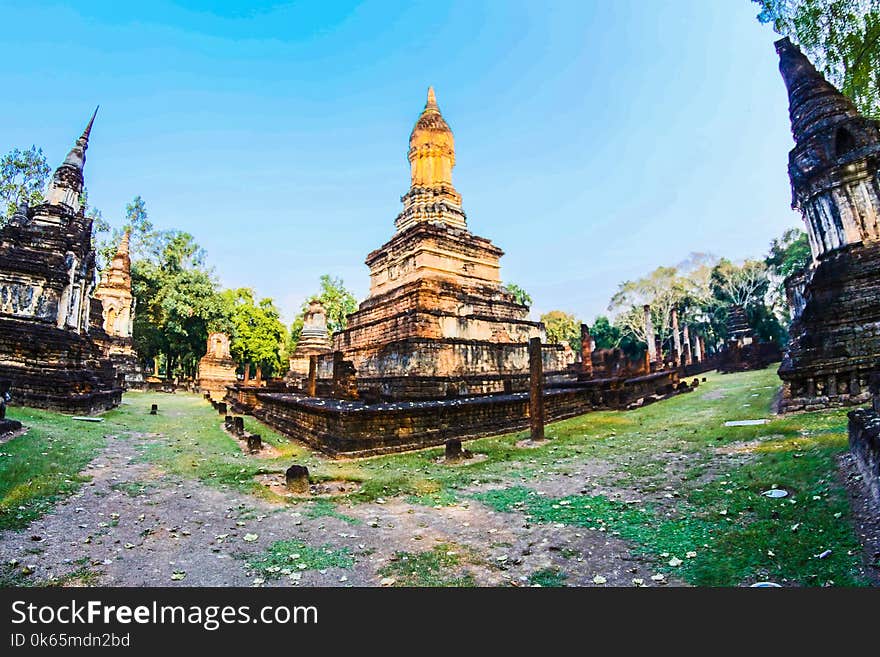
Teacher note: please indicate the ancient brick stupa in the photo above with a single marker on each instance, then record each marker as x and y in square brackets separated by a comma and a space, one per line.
[216, 368]
[438, 322]
[47, 273]
[313, 341]
[117, 315]
[835, 331]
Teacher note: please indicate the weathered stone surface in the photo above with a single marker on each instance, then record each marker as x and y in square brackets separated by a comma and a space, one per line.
[586, 352]
[864, 443]
[216, 368]
[47, 273]
[453, 450]
[835, 304]
[438, 321]
[536, 390]
[6, 425]
[297, 479]
[254, 442]
[313, 341]
[743, 351]
[116, 306]
[355, 428]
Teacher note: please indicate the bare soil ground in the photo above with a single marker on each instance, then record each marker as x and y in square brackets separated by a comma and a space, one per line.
[134, 525]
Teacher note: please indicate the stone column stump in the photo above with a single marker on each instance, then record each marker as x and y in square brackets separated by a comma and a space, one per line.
[297, 479]
[536, 390]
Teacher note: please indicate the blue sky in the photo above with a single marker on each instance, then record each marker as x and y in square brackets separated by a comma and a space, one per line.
[595, 140]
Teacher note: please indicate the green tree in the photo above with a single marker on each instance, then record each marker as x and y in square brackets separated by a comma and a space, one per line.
[789, 253]
[519, 294]
[176, 302]
[841, 37]
[145, 242]
[604, 334]
[23, 176]
[562, 327]
[295, 331]
[663, 289]
[746, 285]
[338, 303]
[255, 328]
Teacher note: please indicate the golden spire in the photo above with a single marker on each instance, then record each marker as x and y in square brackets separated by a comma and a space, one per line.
[431, 147]
[431, 196]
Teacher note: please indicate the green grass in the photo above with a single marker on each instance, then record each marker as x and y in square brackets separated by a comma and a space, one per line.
[548, 577]
[326, 509]
[44, 465]
[131, 488]
[439, 566]
[734, 534]
[194, 444]
[286, 557]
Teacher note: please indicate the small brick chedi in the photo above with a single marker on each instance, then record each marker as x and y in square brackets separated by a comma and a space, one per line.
[438, 321]
[47, 274]
[216, 368]
[117, 306]
[834, 168]
[313, 341]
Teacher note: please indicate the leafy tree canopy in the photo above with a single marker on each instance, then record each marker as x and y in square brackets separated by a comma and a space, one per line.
[562, 327]
[23, 176]
[841, 37]
[519, 294]
[604, 334]
[789, 253]
[176, 300]
[255, 328]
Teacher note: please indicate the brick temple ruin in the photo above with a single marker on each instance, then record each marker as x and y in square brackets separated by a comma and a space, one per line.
[47, 274]
[314, 340]
[115, 316]
[438, 322]
[440, 348]
[217, 369]
[743, 350]
[835, 329]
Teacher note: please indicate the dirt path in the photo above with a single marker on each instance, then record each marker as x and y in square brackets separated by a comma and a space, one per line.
[133, 525]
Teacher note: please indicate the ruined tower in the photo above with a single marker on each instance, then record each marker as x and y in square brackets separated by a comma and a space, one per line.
[834, 168]
[116, 313]
[47, 273]
[314, 340]
[216, 368]
[438, 321]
